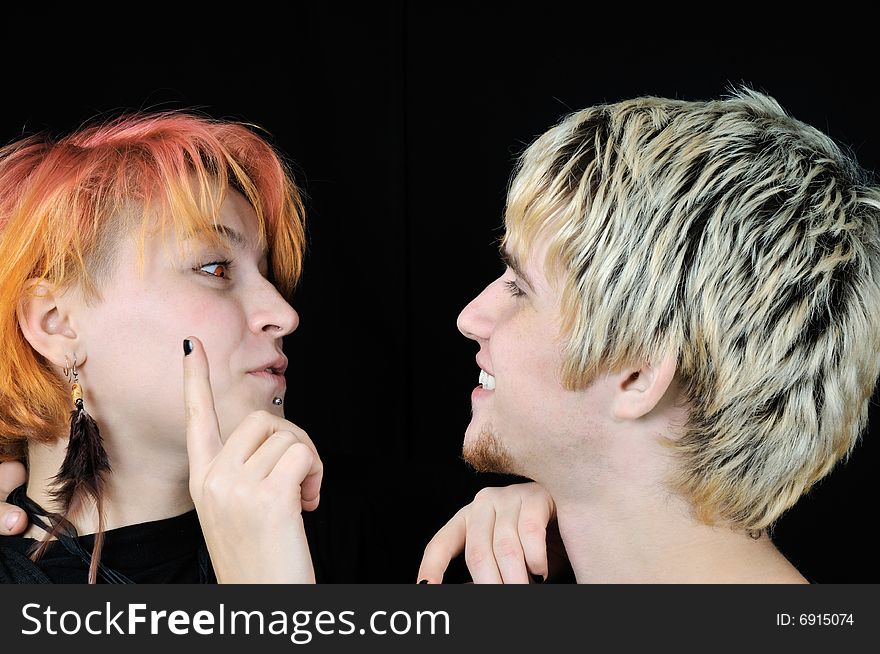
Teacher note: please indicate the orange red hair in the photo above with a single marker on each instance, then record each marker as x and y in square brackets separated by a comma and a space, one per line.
[65, 202]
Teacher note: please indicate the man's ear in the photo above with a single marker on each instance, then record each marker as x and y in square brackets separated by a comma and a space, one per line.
[640, 389]
[45, 321]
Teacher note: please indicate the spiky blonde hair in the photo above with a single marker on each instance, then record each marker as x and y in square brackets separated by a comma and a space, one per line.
[736, 239]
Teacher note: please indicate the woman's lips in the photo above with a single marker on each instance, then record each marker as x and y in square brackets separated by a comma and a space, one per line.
[275, 378]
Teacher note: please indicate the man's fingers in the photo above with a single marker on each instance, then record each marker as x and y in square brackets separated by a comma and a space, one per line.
[12, 519]
[443, 547]
[12, 475]
[203, 440]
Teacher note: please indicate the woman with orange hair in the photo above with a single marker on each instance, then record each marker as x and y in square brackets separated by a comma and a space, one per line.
[118, 243]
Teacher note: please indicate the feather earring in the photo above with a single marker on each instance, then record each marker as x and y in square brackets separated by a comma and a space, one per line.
[83, 469]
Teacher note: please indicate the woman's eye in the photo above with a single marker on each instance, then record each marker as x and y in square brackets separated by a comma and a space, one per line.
[216, 269]
[515, 290]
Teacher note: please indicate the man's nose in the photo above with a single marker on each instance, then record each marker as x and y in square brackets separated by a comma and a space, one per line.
[475, 320]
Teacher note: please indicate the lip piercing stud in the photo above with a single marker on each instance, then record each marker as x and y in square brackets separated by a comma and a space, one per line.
[277, 401]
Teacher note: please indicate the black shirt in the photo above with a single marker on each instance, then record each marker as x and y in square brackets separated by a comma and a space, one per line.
[163, 551]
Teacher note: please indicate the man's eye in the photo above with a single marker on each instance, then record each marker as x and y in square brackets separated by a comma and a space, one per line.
[216, 269]
[515, 290]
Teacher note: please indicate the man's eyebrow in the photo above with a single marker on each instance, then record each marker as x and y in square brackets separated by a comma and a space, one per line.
[510, 261]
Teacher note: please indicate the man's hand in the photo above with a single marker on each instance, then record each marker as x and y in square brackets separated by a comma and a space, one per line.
[503, 534]
[12, 519]
[249, 492]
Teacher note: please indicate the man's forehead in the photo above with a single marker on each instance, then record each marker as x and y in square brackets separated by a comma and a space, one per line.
[529, 260]
[510, 258]
[516, 265]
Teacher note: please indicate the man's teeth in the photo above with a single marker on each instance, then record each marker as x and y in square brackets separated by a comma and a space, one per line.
[487, 381]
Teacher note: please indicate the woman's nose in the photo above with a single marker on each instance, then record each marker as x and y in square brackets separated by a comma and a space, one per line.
[273, 313]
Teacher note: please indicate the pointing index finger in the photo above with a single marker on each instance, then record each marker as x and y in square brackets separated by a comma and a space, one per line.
[202, 429]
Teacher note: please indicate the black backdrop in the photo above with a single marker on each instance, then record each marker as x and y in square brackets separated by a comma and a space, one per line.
[403, 120]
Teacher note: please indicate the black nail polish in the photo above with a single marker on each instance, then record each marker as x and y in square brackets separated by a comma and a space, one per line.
[423, 581]
[187, 346]
[538, 579]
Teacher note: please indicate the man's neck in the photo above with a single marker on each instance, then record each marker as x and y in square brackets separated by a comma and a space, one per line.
[143, 486]
[657, 541]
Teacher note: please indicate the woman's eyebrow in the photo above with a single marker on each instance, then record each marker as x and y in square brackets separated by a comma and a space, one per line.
[230, 234]
[236, 238]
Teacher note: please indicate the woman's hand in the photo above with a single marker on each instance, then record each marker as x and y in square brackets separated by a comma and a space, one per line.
[250, 491]
[12, 519]
[504, 536]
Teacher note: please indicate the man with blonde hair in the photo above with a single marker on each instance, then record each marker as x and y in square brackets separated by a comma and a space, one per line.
[684, 341]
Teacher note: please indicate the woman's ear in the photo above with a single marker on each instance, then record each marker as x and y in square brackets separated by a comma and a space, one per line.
[45, 321]
[640, 390]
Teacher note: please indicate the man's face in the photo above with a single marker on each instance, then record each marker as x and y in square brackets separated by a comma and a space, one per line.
[528, 415]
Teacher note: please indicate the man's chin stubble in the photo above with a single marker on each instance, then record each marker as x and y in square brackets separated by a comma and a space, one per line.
[487, 454]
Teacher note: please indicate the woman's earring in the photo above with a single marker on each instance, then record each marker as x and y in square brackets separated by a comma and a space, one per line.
[85, 463]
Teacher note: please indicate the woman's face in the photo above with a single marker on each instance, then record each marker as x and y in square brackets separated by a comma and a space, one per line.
[132, 374]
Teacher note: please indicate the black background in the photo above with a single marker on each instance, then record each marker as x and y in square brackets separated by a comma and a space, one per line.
[403, 121]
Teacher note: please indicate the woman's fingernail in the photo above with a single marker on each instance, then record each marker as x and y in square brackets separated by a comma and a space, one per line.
[538, 579]
[12, 519]
[423, 581]
[187, 346]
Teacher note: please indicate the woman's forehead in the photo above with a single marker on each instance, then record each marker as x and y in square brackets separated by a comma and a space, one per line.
[239, 221]
[150, 241]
